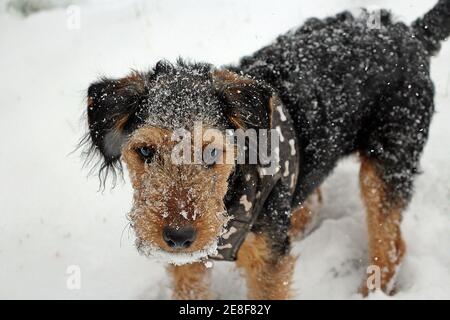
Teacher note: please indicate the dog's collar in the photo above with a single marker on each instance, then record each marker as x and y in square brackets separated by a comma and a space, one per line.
[250, 187]
[244, 204]
[243, 216]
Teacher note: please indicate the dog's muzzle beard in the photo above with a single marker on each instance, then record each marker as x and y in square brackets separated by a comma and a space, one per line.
[149, 248]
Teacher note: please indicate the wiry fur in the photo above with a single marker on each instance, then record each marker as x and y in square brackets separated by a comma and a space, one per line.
[346, 88]
[163, 190]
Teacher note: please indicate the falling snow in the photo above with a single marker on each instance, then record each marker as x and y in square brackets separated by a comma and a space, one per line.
[44, 197]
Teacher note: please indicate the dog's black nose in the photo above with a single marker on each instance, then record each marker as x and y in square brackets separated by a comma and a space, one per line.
[180, 238]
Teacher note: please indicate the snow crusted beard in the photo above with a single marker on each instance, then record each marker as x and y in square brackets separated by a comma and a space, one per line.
[178, 212]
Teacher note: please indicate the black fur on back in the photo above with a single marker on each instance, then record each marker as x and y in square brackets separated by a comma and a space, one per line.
[347, 86]
[352, 88]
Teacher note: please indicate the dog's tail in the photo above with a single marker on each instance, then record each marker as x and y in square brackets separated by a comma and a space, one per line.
[434, 26]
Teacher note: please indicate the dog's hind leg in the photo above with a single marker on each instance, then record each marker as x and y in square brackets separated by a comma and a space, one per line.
[191, 281]
[386, 247]
[390, 146]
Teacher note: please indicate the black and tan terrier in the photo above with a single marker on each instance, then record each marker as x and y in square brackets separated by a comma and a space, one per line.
[329, 89]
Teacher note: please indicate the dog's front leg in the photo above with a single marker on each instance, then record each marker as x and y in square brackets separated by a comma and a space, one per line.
[268, 276]
[265, 254]
[191, 281]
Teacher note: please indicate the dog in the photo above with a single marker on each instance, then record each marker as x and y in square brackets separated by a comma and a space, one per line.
[328, 89]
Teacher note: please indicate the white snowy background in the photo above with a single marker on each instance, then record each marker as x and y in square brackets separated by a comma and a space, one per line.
[51, 215]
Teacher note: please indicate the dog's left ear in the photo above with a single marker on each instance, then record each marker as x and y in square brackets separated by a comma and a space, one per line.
[248, 103]
[113, 112]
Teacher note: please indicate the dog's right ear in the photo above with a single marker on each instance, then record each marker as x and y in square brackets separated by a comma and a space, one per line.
[113, 112]
[248, 103]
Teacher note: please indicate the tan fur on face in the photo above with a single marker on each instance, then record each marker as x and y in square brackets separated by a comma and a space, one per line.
[386, 246]
[268, 277]
[163, 190]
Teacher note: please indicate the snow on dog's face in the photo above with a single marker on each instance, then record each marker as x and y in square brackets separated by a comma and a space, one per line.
[178, 208]
[178, 212]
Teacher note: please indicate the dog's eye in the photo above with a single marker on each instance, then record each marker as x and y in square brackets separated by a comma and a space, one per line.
[146, 153]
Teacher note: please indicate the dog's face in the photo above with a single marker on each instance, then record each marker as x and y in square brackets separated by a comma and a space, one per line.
[178, 208]
[178, 211]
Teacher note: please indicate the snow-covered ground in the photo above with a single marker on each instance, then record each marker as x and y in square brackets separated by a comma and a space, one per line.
[51, 215]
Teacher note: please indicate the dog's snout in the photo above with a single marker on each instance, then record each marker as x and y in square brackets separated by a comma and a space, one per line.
[179, 238]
